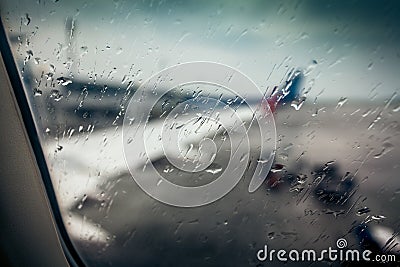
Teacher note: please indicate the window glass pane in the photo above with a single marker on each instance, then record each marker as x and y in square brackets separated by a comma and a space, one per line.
[327, 79]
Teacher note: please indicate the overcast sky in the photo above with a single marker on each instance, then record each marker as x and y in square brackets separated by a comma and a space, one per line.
[355, 43]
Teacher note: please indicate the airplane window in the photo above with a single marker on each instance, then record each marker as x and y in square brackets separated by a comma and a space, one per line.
[182, 133]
